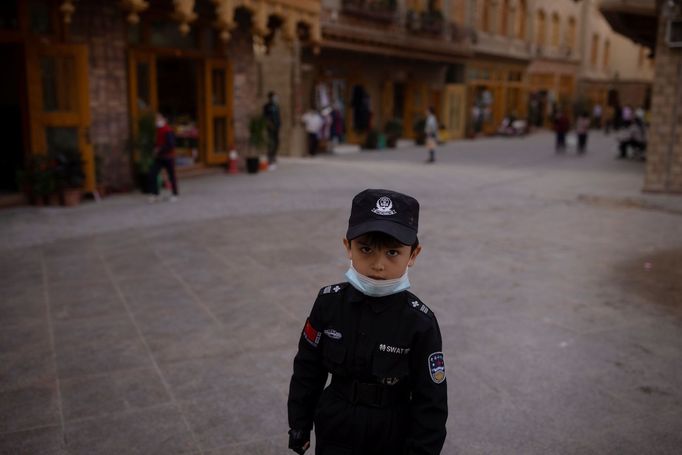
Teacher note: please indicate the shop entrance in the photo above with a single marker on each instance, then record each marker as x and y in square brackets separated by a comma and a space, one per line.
[176, 82]
[195, 93]
[11, 115]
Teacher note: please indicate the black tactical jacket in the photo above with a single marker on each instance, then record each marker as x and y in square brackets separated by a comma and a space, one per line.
[393, 342]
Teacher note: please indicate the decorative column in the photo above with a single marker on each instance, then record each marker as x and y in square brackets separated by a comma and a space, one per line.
[135, 7]
[184, 13]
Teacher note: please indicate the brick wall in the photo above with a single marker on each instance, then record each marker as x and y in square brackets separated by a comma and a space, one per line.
[664, 153]
[101, 25]
[245, 72]
[277, 71]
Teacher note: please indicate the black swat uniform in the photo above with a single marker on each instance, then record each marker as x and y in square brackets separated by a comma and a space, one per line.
[388, 393]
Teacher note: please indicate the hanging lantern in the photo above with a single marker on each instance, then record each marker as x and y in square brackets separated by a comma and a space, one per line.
[67, 9]
[134, 8]
[184, 13]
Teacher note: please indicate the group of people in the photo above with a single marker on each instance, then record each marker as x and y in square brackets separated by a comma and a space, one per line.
[630, 124]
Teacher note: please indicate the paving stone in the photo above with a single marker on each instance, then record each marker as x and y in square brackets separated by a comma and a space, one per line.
[97, 299]
[46, 440]
[97, 395]
[29, 407]
[26, 366]
[159, 431]
[248, 412]
[24, 336]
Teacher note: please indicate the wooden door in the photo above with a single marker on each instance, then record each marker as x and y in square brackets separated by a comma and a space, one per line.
[454, 110]
[218, 124]
[143, 93]
[58, 99]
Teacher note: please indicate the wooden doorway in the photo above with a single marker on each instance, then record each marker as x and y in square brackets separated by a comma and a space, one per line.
[59, 107]
[198, 102]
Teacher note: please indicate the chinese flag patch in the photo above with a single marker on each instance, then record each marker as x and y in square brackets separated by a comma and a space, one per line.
[311, 335]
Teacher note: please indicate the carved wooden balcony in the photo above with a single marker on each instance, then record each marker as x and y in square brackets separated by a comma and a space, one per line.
[374, 10]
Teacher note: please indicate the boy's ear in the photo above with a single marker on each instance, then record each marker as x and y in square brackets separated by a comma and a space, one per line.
[414, 255]
[346, 244]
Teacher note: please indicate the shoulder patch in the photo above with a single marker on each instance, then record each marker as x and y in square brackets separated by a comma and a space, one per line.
[436, 366]
[311, 335]
[332, 288]
[416, 304]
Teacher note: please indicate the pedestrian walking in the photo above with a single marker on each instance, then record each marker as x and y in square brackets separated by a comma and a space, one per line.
[164, 158]
[381, 344]
[273, 122]
[596, 116]
[582, 128]
[313, 123]
[431, 131]
[561, 127]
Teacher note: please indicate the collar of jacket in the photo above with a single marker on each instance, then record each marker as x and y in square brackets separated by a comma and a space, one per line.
[377, 304]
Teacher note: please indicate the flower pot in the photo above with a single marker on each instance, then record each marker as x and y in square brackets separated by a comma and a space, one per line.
[72, 196]
[252, 164]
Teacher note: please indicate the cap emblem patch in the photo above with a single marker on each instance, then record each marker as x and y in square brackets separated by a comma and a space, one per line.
[384, 206]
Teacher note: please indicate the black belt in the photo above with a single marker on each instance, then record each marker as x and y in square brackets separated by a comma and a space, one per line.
[369, 394]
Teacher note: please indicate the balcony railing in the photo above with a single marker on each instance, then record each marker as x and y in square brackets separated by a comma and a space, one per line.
[428, 22]
[376, 10]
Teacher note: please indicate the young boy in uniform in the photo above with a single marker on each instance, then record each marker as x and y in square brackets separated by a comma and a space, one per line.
[381, 344]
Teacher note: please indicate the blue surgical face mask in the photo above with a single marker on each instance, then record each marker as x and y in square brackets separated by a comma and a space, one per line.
[376, 288]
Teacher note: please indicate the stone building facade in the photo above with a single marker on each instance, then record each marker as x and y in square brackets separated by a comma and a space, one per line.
[94, 71]
[664, 153]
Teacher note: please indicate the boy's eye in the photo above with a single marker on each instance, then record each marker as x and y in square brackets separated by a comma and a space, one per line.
[392, 252]
[365, 249]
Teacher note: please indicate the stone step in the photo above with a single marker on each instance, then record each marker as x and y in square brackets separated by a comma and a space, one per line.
[345, 149]
[404, 143]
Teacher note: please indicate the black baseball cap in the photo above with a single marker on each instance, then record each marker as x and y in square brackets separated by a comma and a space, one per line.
[386, 211]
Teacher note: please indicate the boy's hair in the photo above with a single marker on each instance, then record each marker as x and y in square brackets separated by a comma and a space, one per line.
[378, 239]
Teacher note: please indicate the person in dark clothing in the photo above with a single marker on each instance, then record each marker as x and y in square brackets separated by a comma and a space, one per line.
[164, 158]
[273, 122]
[561, 127]
[381, 344]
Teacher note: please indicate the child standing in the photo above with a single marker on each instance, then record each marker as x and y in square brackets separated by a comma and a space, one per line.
[381, 344]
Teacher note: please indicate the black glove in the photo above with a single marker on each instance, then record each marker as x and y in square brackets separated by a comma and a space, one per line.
[299, 441]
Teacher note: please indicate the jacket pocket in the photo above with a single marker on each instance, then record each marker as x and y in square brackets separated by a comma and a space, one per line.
[334, 353]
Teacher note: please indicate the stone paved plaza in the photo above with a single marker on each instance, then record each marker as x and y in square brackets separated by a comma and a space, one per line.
[136, 328]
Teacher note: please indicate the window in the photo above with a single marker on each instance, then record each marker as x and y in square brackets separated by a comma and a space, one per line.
[607, 48]
[595, 50]
[541, 26]
[570, 33]
[485, 16]
[556, 25]
[521, 19]
[505, 18]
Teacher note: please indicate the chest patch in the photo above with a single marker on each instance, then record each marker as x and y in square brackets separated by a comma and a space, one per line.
[437, 367]
[393, 349]
[333, 334]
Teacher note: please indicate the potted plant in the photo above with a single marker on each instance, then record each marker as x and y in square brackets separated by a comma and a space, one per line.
[37, 179]
[257, 142]
[69, 174]
[393, 130]
[142, 150]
